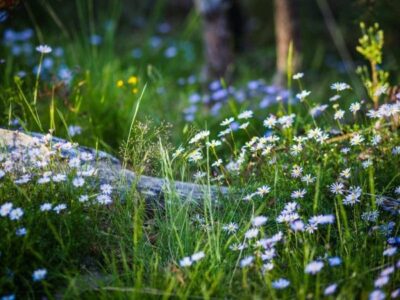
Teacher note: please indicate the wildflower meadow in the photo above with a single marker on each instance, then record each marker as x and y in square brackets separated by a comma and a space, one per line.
[134, 165]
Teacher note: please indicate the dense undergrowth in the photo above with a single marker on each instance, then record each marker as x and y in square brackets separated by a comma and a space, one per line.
[314, 206]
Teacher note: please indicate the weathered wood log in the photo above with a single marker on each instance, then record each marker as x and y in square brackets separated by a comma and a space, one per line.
[109, 169]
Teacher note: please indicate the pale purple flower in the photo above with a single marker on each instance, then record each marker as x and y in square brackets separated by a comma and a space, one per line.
[16, 214]
[259, 221]
[314, 267]
[39, 274]
[331, 289]
[280, 283]
[247, 261]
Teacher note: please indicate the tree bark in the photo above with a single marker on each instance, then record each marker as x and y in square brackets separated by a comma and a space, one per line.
[218, 37]
[286, 32]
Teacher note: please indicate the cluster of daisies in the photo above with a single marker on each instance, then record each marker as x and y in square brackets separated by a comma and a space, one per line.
[255, 248]
[45, 163]
[33, 164]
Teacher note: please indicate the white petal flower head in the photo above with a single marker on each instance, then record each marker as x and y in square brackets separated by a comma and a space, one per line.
[269, 254]
[376, 139]
[251, 233]
[297, 76]
[199, 136]
[357, 139]
[308, 179]
[397, 190]
[264, 190]
[387, 271]
[267, 267]
[377, 295]
[259, 221]
[244, 125]
[185, 262]
[296, 171]
[227, 122]
[178, 152]
[322, 219]
[339, 114]
[331, 289]
[106, 188]
[86, 156]
[39, 274]
[314, 267]
[74, 162]
[280, 283]
[214, 143]
[195, 156]
[353, 196]
[334, 261]
[355, 107]
[104, 199]
[297, 225]
[296, 149]
[314, 133]
[198, 256]
[83, 198]
[302, 95]
[396, 150]
[217, 163]
[59, 177]
[230, 228]
[21, 231]
[340, 86]
[390, 251]
[270, 122]
[395, 294]
[78, 182]
[16, 214]
[246, 114]
[381, 90]
[287, 121]
[334, 98]
[346, 173]
[45, 207]
[381, 281]
[298, 194]
[247, 261]
[43, 180]
[44, 49]
[5, 209]
[59, 208]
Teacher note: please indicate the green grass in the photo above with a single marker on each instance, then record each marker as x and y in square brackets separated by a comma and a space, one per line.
[133, 249]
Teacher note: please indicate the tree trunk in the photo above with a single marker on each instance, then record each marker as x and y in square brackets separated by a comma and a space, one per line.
[286, 32]
[218, 37]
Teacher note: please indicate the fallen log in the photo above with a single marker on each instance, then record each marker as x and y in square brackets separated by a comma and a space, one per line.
[109, 169]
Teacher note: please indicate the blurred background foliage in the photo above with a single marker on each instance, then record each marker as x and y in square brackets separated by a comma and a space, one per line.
[144, 17]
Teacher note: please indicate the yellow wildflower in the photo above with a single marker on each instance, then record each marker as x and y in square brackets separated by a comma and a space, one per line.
[120, 83]
[133, 80]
